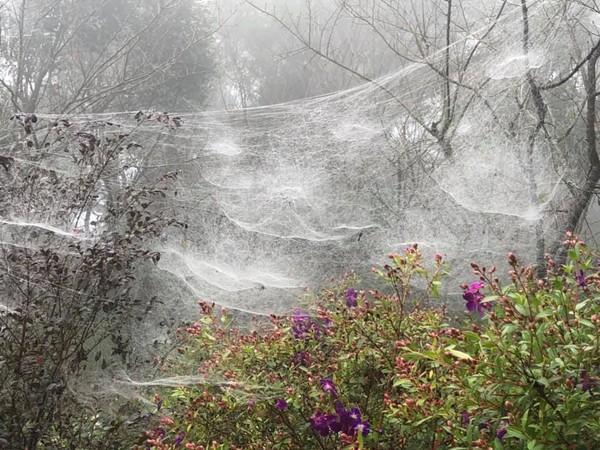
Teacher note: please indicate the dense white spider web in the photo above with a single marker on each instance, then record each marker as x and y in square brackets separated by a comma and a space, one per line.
[284, 197]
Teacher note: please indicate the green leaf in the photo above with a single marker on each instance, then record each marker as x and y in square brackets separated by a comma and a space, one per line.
[521, 309]
[490, 298]
[524, 419]
[435, 284]
[508, 329]
[459, 354]
[544, 313]
[422, 421]
[573, 254]
[361, 442]
[416, 356]
[582, 304]
[559, 362]
[209, 336]
[532, 445]
[403, 383]
[587, 323]
[471, 336]
[512, 431]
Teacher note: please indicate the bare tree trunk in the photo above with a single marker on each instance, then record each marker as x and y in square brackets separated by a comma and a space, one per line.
[582, 195]
[541, 110]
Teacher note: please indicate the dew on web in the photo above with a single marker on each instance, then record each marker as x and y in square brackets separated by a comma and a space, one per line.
[288, 196]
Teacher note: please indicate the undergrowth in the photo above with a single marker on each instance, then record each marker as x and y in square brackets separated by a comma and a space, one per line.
[381, 370]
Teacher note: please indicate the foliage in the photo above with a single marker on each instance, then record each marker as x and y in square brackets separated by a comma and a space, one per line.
[69, 56]
[361, 370]
[66, 291]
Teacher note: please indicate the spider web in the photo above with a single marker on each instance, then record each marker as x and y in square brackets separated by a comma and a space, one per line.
[284, 197]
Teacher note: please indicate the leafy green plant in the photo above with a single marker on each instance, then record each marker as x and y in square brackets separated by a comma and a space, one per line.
[325, 377]
[388, 370]
[537, 355]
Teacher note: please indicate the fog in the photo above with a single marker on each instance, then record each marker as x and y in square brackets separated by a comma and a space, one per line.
[310, 138]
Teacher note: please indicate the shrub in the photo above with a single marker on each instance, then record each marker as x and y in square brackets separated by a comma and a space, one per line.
[537, 355]
[67, 298]
[386, 370]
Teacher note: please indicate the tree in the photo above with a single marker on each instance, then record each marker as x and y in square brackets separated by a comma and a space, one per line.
[539, 95]
[67, 297]
[65, 56]
[262, 66]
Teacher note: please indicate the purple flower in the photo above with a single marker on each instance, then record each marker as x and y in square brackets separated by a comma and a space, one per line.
[465, 418]
[322, 422]
[580, 278]
[300, 316]
[476, 286]
[178, 440]
[473, 298]
[328, 386]
[354, 415]
[300, 359]
[585, 381]
[350, 420]
[281, 404]
[351, 298]
[347, 421]
[363, 428]
[501, 433]
[303, 325]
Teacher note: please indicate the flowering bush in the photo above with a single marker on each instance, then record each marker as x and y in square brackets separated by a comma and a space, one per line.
[386, 370]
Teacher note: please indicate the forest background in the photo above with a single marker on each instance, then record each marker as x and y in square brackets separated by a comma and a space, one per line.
[157, 152]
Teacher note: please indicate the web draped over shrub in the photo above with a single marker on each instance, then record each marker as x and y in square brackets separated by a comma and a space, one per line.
[282, 197]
